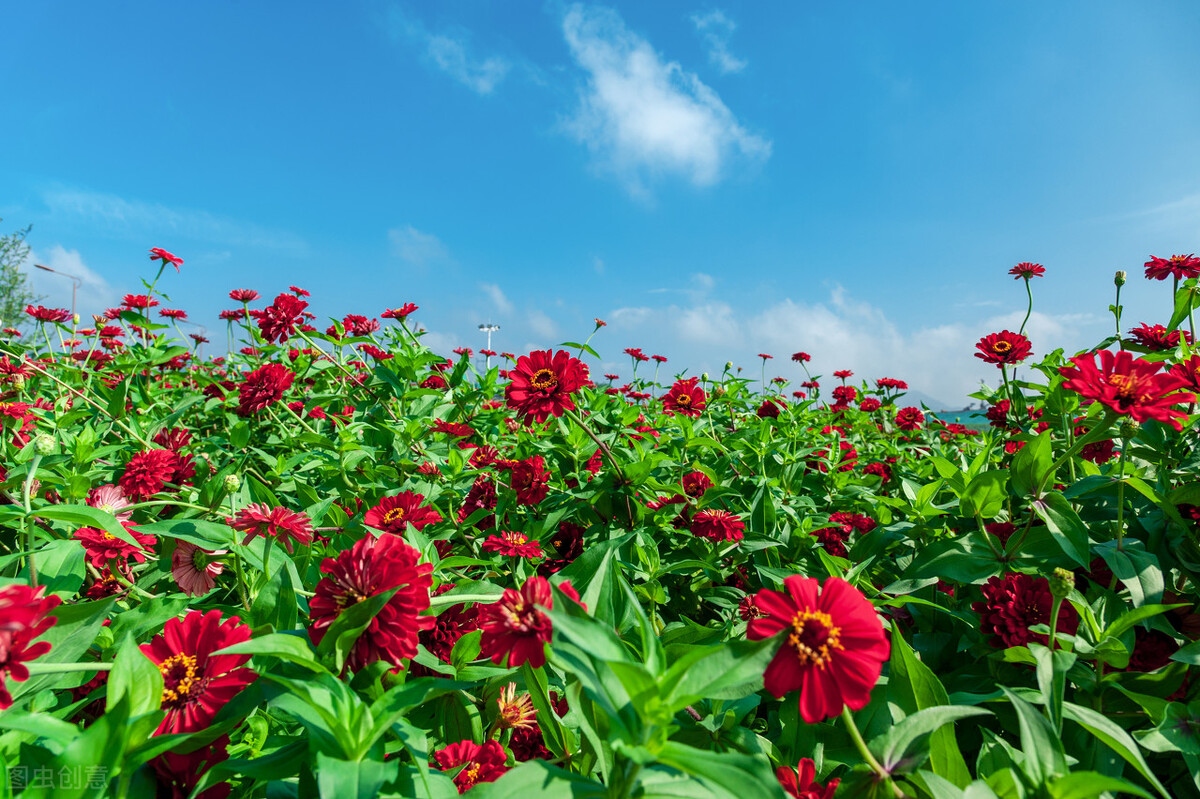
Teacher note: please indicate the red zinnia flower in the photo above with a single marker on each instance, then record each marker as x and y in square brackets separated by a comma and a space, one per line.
[23, 617]
[483, 763]
[1004, 347]
[450, 625]
[243, 295]
[264, 386]
[196, 683]
[1189, 372]
[869, 404]
[1128, 385]
[194, 572]
[393, 513]
[141, 301]
[514, 545]
[283, 524]
[804, 785]
[765, 357]
[399, 313]
[909, 419]
[695, 484]
[1157, 337]
[542, 384]
[147, 472]
[717, 525]
[1014, 603]
[373, 566]
[685, 397]
[172, 313]
[1027, 270]
[515, 630]
[43, 314]
[101, 547]
[801, 357]
[844, 395]
[180, 774]
[769, 408]
[843, 374]
[278, 320]
[529, 479]
[891, 382]
[1179, 267]
[834, 652]
[159, 254]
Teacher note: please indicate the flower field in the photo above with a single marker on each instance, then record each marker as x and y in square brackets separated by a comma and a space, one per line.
[335, 563]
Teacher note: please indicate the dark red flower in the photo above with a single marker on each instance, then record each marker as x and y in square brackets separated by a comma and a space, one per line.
[514, 545]
[801, 357]
[374, 566]
[833, 539]
[515, 630]
[101, 547]
[909, 418]
[399, 313]
[1027, 270]
[529, 479]
[685, 397]
[880, 469]
[159, 254]
[483, 763]
[1003, 348]
[23, 617]
[1179, 267]
[282, 524]
[172, 313]
[278, 320]
[43, 314]
[542, 384]
[450, 625]
[1157, 337]
[392, 514]
[717, 525]
[869, 405]
[179, 774]
[147, 472]
[843, 374]
[196, 683]
[1189, 372]
[1014, 603]
[1128, 385]
[834, 651]
[770, 408]
[891, 383]
[636, 353]
[695, 484]
[263, 387]
[139, 301]
[844, 395]
[801, 782]
[481, 496]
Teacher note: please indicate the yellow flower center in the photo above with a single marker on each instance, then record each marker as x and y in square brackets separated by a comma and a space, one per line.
[393, 516]
[180, 682]
[544, 380]
[813, 637]
[1001, 346]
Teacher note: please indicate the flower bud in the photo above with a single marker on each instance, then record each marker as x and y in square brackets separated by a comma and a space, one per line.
[232, 483]
[728, 365]
[1062, 582]
[75, 319]
[45, 444]
[1129, 428]
[704, 377]
[1119, 278]
[18, 382]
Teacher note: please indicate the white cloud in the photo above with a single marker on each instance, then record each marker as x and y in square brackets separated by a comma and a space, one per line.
[598, 265]
[715, 29]
[452, 54]
[415, 247]
[497, 297]
[159, 223]
[93, 295]
[643, 116]
[542, 325]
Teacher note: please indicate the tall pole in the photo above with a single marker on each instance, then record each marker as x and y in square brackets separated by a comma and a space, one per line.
[488, 329]
[75, 283]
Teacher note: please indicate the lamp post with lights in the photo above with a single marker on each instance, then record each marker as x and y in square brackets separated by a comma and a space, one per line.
[76, 282]
[489, 328]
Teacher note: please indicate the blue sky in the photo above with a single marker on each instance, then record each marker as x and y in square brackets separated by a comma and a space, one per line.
[714, 180]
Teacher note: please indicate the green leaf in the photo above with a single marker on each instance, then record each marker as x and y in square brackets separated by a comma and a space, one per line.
[729, 774]
[894, 745]
[1130, 618]
[292, 648]
[1031, 465]
[1052, 679]
[537, 779]
[1189, 654]
[275, 604]
[1137, 569]
[1065, 526]
[86, 516]
[1090, 784]
[206, 535]
[341, 636]
[352, 779]
[985, 494]
[1115, 737]
[1044, 756]
[136, 678]
[726, 671]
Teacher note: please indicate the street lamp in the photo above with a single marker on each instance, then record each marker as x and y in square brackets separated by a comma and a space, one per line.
[75, 283]
[489, 328]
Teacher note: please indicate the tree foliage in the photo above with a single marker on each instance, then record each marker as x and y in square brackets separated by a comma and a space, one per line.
[16, 290]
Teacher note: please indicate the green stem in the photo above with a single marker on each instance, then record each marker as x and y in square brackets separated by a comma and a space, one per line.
[60, 668]
[1095, 434]
[1029, 310]
[1117, 316]
[1121, 496]
[29, 526]
[861, 745]
[1054, 620]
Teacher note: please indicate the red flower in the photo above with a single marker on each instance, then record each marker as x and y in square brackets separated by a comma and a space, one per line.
[1027, 270]
[263, 387]
[515, 631]
[172, 313]
[1179, 267]
[835, 648]
[1128, 385]
[399, 313]
[1189, 372]
[891, 383]
[514, 545]
[193, 569]
[833, 539]
[765, 357]
[283, 524]
[529, 478]
[180, 774]
[842, 374]
[147, 472]
[1004, 347]
[804, 785]
[373, 566]
[869, 405]
[769, 408]
[685, 397]
[196, 684]
[844, 395]
[879, 469]
[450, 625]
[393, 513]
[636, 353]
[159, 254]
[801, 357]
[1014, 603]
[23, 617]
[695, 484]
[909, 419]
[101, 547]
[43, 314]
[717, 525]
[278, 320]
[483, 763]
[1157, 337]
[243, 295]
[141, 301]
[542, 384]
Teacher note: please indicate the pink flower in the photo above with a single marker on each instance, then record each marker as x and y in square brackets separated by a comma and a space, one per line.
[192, 569]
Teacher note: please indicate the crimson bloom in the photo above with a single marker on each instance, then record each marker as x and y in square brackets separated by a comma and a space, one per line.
[515, 630]
[197, 683]
[1179, 267]
[244, 295]
[147, 472]
[1158, 338]
[530, 480]
[482, 763]
[263, 387]
[801, 357]
[23, 617]
[695, 484]
[393, 513]
[193, 568]
[140, 301]
[717, 525]
[278, 320]
[374, 566]
[1003, 348]
[909, 418]
[801, 782]
[101, 547]
[399, 313]
[835, 648]
[281, 523]
[685, 397]
[1129, 385]
[1014, 603]
[1027, 270]
[43, 314]
[514, 545]
[159, 254]
[542, 384]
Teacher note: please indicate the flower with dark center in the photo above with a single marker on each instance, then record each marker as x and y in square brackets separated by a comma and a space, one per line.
[1180, 267]
[1003, 348]
[530, 480]
[393, 514]
[280, 523]
[909, 419]
[515, 630]
[717, 525]
[481, 762]
[101, 546]
[1027, 270]
[542, 384]
[514, 545]
[685, 397]
[1129, 385]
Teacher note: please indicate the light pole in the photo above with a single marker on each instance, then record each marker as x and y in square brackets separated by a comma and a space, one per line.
[75, 283]
[489, 328]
